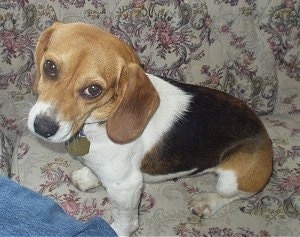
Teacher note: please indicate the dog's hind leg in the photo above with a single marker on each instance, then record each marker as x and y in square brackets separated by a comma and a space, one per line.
[243, 174]
[205, 204]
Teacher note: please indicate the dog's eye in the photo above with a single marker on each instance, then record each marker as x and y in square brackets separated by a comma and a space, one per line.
[50, 68]
[92, 91]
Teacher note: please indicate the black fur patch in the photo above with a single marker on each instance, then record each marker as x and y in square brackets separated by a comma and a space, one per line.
[215, 124]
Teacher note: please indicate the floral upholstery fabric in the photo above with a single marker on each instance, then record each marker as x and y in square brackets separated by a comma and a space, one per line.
[248, 48]
[46, 168]
[5, 155]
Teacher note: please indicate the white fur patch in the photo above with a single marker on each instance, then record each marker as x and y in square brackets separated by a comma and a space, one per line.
[173, 104]
[227, 184]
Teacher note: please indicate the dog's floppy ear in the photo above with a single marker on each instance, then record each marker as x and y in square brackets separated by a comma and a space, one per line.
[136, 103]
[39, 52]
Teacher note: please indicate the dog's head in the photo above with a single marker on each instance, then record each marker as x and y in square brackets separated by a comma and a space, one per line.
[86, 74]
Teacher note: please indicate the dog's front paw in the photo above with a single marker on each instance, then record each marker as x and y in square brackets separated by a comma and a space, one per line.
[84, 179]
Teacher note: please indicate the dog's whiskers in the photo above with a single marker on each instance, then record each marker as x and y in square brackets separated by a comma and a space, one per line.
[24, 102]
[21, 120]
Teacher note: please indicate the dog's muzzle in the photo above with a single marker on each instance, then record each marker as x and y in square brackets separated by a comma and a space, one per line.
[45, 126]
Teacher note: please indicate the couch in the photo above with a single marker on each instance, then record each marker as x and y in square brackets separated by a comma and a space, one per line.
[247, 48]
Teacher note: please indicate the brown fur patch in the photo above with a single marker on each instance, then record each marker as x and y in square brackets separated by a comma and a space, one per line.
[135, 105]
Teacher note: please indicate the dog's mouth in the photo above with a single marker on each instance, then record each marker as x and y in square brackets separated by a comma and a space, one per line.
[49, 125]
[50, 130]
[42, 123]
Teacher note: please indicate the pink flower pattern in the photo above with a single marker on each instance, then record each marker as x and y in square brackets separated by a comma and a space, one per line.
[159, 31]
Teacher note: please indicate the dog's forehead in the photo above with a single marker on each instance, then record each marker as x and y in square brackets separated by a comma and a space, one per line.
[85, 49]
[87, 37]
[76, 42]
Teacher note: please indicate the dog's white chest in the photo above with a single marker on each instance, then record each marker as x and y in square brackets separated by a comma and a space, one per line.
[106, 158]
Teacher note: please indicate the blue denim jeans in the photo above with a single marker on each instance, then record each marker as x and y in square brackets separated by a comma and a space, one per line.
[26, 213]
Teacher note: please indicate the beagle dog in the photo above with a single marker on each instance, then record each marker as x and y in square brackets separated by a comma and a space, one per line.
[141, 127]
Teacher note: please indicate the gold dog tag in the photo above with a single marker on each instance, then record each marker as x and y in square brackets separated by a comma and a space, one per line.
[78, 146]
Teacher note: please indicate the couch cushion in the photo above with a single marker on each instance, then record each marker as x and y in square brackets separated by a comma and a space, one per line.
[46, 168]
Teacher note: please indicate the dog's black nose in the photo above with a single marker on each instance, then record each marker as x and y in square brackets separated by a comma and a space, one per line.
[45, 126]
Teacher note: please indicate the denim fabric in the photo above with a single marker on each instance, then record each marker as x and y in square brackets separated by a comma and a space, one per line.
[26, 213]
